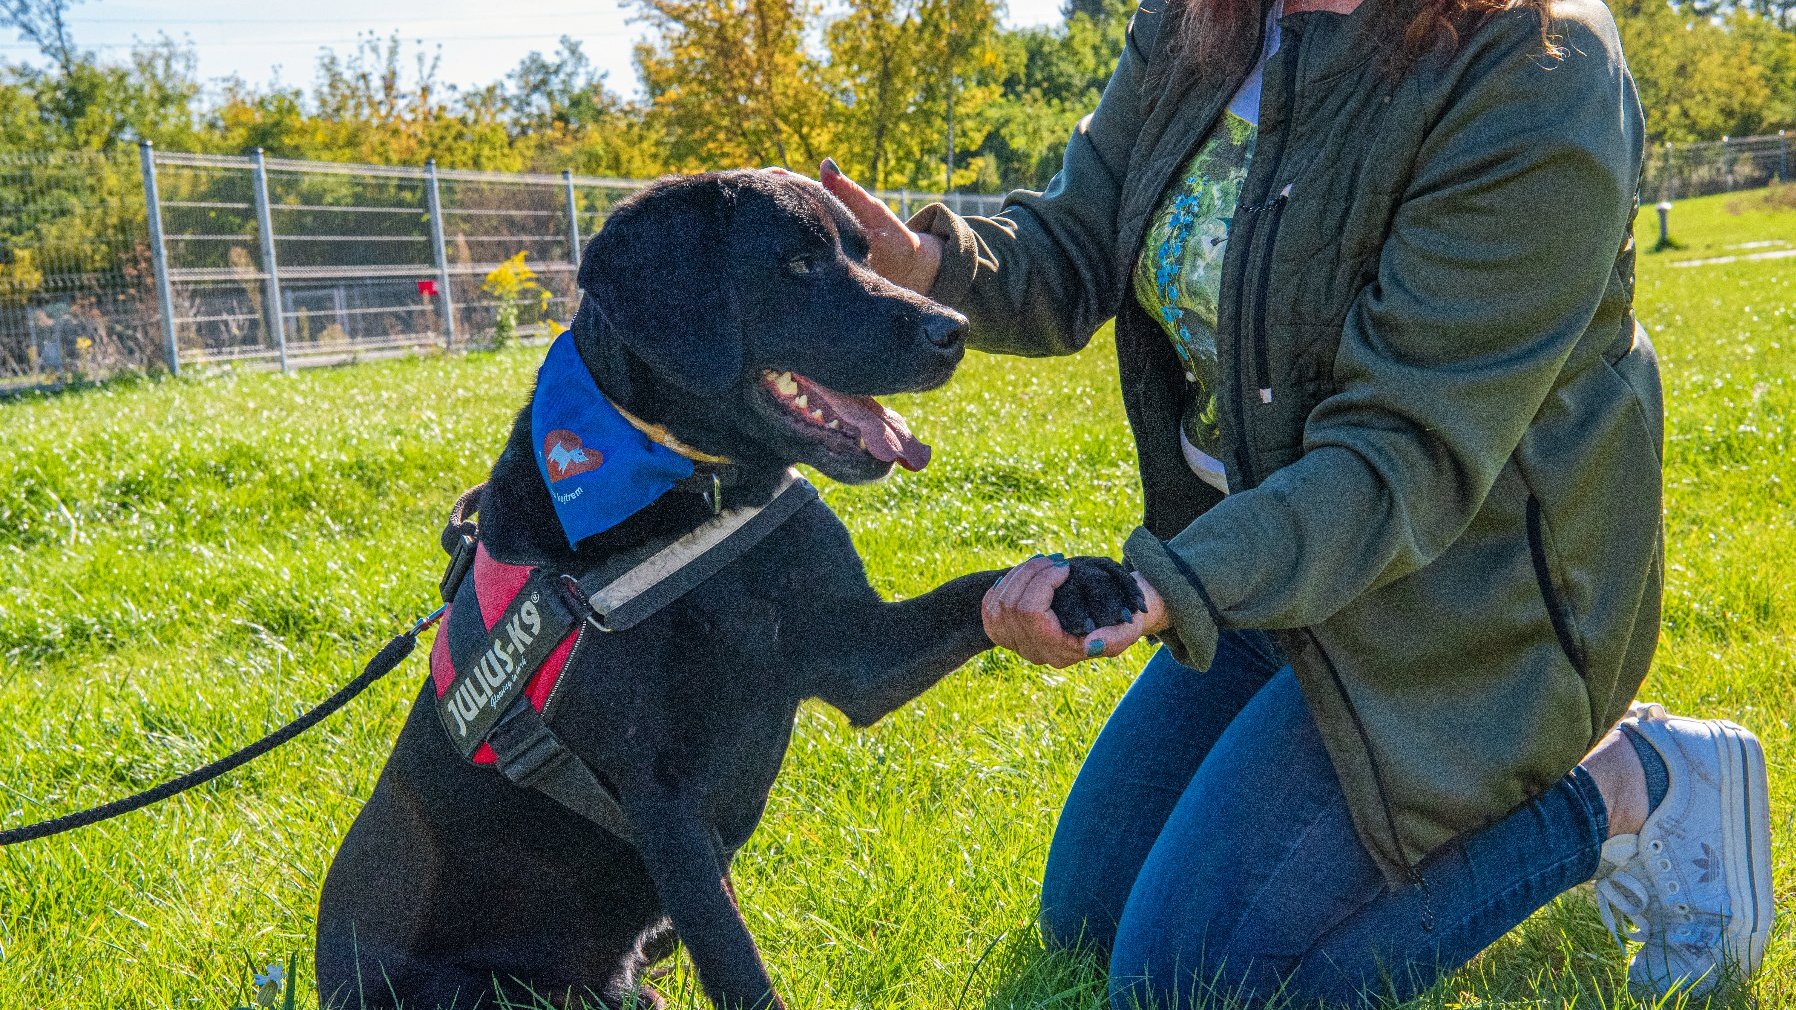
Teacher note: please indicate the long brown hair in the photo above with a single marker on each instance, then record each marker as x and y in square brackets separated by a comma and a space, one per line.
[1218, 34]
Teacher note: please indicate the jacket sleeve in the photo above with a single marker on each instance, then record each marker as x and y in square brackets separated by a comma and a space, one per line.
[1497, 258]
[1040, 277]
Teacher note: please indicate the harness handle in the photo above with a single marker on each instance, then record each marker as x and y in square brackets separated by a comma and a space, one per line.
[461, 523]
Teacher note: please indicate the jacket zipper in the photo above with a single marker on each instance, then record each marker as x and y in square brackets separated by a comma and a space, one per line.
[1291, 47]
[1262, 357]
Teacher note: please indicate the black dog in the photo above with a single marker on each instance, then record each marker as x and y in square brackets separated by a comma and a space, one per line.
[711, 304]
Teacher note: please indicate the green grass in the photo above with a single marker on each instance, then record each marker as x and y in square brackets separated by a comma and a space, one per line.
[184, 564]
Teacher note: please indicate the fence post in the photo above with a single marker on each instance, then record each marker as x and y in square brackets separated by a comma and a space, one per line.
[159, 257]
[277, 326]
[1783, 156]
[442, 251]
[573, 222]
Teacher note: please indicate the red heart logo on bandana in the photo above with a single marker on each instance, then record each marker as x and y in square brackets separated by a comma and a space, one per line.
[566, 455]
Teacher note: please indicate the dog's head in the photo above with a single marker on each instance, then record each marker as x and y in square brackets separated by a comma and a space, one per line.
[738, 310]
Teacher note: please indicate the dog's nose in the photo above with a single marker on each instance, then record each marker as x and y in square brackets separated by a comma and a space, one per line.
[946, 330]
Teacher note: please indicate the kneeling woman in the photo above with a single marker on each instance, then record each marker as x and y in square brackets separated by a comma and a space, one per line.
[1399, 437]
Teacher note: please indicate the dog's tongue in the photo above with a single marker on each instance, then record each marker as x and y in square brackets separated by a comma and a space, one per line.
[887, 437]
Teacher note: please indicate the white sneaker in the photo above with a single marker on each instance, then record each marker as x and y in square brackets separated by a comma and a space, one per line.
[1694, 886]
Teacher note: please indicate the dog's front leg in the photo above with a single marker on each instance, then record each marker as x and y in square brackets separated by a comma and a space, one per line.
[883, 655]
[682, 856]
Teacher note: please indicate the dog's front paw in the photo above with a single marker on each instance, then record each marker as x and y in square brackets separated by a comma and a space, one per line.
[1097, 594]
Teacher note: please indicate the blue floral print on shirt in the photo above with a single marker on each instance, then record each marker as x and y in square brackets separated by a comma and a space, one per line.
[1178, 278]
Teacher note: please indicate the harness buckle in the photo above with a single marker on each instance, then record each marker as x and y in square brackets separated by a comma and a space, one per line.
[570, 586]
[525, 747]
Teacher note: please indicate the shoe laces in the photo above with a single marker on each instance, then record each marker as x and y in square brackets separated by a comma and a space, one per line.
[1625, 890]
[1622, 900]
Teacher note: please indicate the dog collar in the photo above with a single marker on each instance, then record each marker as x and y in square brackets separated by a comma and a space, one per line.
[659, 434]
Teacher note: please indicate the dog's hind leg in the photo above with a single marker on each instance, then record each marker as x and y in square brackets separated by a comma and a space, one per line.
[632, 989]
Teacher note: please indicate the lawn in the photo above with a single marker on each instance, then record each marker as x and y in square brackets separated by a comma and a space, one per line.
[185, 564]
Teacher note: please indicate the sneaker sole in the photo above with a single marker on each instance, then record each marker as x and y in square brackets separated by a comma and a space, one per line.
[1746, 837]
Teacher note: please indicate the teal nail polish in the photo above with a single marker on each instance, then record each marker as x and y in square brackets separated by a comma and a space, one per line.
[1094, 648]
[830, 165]
[1056, 557]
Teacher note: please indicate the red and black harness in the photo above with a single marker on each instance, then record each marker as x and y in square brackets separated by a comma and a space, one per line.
[510, 631]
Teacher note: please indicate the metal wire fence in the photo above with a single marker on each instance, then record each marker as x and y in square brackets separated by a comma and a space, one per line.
[172, 259]
[295, 262]
[169, 259]
[1679, 171]
[76, 287]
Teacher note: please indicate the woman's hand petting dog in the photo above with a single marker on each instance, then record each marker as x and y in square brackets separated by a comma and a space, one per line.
[896, 253]
[1058, 611]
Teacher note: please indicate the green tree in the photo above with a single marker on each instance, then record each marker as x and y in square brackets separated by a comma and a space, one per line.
[1697, 76]
[901, 74]
[1054, 78]
[45, 24]
[730, 83]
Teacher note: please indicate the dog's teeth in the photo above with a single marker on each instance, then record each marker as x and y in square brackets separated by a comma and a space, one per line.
[817, 415]
[862, 441]
[785, 383]
[834, 426]
[802, 401]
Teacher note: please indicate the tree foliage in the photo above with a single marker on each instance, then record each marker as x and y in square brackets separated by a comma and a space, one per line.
[729, 81]
[877, 84]
[1706, 76]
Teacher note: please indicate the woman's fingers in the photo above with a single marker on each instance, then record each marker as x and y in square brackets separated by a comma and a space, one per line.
[1031, 586]
[893, 250]
[872, 213]
[1017, 614]
[1037, 638]
[1116, 639]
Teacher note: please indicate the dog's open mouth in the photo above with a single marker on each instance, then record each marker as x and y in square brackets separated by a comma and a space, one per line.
[846, 421]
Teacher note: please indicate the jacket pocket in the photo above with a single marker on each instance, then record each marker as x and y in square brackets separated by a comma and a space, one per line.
[1557, 610]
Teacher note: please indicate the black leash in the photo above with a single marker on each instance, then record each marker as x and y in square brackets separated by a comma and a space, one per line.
[390, 656]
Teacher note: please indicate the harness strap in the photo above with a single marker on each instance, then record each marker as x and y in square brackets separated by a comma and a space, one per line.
[460, 536]
[486, 701]
[467, 505]
[635, 584]
[532, 756]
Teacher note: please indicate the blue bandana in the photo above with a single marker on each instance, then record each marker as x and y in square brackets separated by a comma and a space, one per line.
[599, 468]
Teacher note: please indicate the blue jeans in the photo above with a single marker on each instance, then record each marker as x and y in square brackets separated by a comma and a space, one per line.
[1206, 848]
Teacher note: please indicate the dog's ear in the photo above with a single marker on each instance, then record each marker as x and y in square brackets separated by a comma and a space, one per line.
[659, 276]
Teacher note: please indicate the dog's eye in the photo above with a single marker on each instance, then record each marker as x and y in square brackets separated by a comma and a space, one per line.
[798, 266]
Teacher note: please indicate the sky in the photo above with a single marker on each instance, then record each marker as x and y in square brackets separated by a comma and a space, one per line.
[265, 42]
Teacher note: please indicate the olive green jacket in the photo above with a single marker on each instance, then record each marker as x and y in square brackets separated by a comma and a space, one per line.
[1441, 423]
